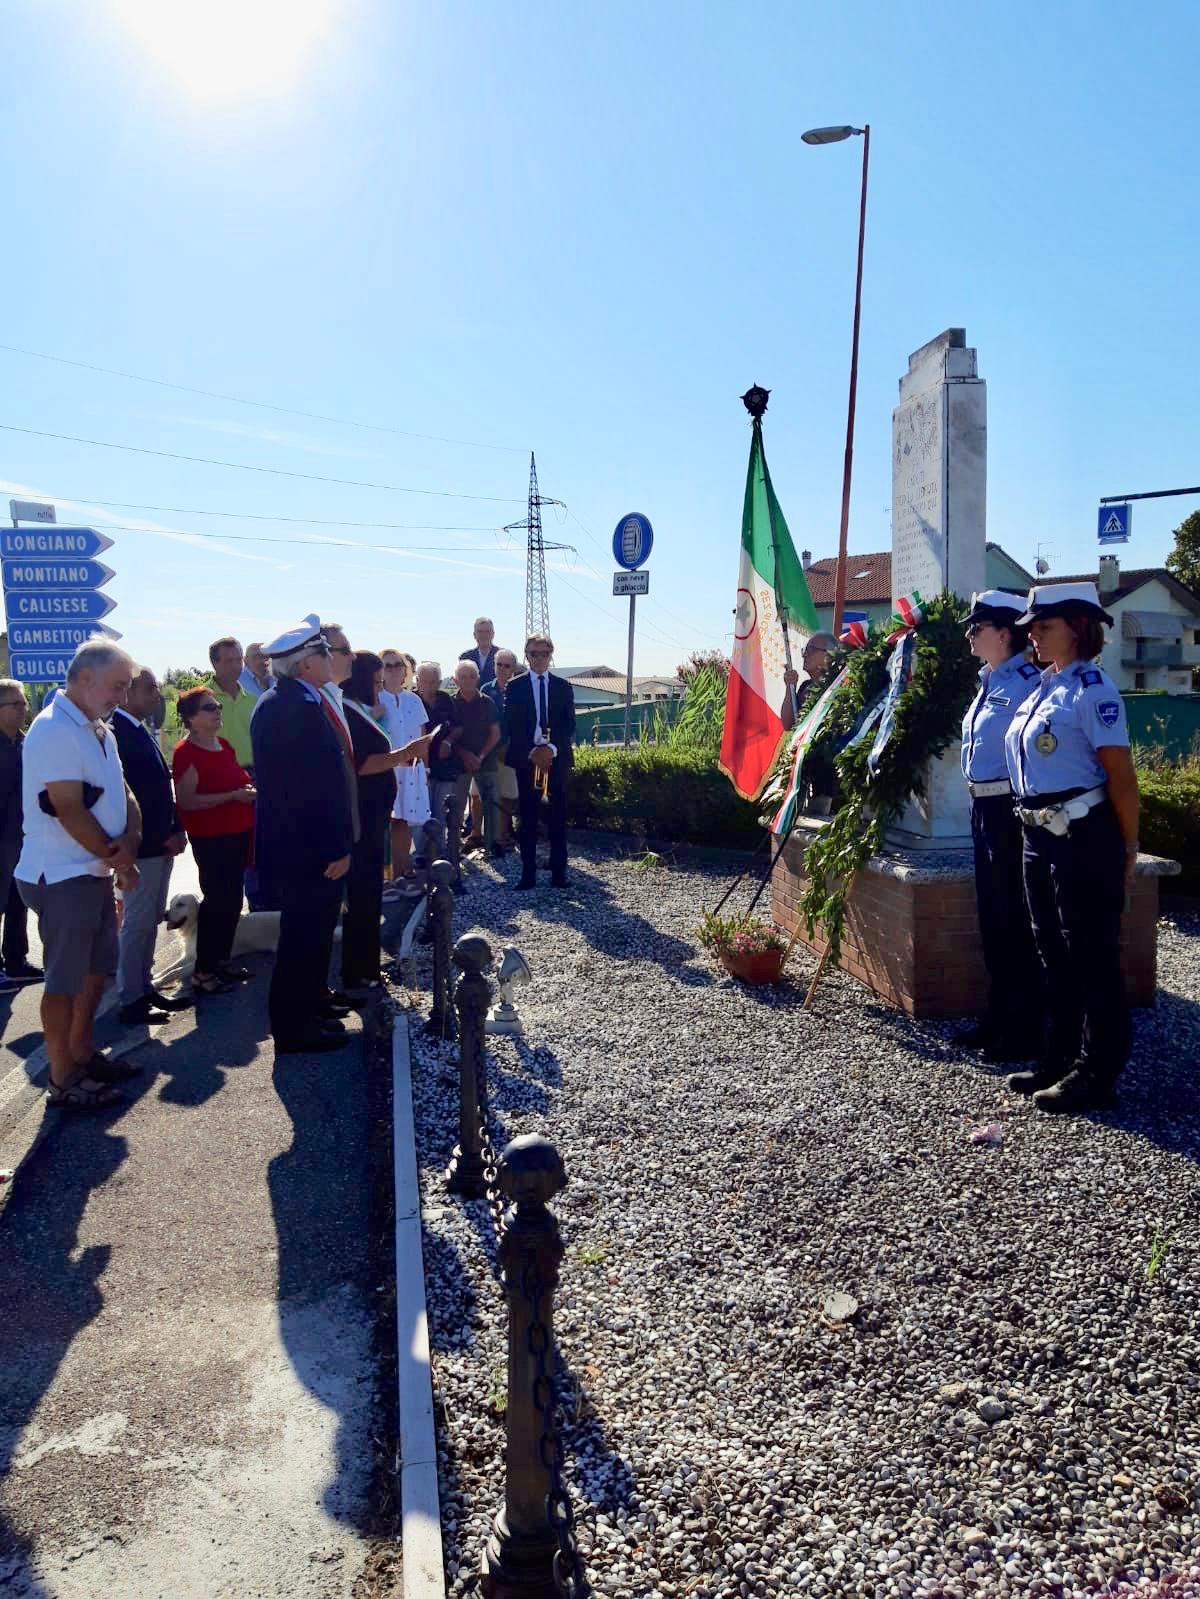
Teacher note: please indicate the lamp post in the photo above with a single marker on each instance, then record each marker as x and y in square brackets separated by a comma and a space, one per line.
[835, 136]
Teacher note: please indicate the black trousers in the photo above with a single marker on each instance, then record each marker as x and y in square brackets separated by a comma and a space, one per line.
[1015, 1007]
[364, 910]
[1075, 889]
[221, 864]
[15, 948]
[530, 806]
[300, 982]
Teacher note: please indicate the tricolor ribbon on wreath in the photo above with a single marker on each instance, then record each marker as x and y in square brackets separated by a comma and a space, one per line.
[910, 608]
[801, 743]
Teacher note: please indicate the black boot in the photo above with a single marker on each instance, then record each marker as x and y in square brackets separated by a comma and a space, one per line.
[978, 1036]
[1079, 1090]
[1041, 1077]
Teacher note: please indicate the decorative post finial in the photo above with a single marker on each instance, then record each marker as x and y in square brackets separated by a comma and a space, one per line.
[755, 400]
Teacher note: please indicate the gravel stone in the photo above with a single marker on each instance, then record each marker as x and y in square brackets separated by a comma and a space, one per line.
[734, 1160]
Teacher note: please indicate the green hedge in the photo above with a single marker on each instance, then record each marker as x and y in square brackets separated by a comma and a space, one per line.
[1170, 818]
[678, 796]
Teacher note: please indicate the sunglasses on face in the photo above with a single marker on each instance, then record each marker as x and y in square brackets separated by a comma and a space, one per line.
[209, 705]
[533, 653]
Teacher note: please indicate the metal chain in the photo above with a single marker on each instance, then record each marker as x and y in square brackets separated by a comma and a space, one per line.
[487, 1150]
[569, 1577]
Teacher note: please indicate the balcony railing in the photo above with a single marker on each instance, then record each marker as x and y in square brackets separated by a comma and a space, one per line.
[1149, 652]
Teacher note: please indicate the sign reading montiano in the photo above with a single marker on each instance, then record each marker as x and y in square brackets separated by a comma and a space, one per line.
[939, 471]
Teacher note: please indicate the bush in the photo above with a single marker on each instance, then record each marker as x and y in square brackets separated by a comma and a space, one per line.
[676, 795]
[1170, 816]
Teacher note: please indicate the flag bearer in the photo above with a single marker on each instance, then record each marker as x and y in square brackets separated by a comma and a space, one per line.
[1007, 1030]
[1077, 801]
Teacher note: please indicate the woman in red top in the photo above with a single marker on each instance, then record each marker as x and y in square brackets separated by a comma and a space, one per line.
[216, 806]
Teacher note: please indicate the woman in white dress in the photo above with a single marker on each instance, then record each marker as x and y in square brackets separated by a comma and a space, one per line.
[405, 718]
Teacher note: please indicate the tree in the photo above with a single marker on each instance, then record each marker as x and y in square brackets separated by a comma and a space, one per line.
[1184, 560]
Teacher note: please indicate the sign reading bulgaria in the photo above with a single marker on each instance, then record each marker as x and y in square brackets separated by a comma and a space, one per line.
[40, 668]
[52, 600]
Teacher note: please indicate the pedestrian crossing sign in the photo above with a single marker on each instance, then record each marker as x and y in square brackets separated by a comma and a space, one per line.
[1112, 524]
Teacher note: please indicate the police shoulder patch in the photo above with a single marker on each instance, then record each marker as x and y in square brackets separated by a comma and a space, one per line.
[1109, 712]
[1028, 670]
[1089, 679]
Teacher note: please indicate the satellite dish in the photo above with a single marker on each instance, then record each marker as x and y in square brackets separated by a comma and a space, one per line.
[1043, 566]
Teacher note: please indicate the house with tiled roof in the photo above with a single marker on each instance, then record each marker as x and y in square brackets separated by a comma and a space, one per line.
[869, 582]
[1154, 642]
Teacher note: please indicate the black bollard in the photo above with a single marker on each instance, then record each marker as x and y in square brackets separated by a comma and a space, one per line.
[441, 922]
[465, 1174]
[519, 1560]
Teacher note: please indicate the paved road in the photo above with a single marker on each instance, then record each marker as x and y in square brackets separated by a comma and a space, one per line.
[186, 1322]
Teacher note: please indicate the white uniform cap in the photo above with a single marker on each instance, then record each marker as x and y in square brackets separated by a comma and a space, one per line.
[1052, 599]
[294, 638]
[995, 605]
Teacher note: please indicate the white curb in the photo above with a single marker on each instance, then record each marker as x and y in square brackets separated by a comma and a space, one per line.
[421, 1515]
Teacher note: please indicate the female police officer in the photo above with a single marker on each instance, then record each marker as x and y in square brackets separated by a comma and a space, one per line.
[1077, 801]
[1008, 1030]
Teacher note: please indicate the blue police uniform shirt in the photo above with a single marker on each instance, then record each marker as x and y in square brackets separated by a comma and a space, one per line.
[1002, 689]
[1081, 710]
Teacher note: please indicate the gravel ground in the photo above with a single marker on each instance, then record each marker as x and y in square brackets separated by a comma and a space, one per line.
[1012, 1407]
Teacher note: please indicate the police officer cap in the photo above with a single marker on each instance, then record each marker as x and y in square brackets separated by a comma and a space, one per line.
[1063, 599]
[295, 638]
[995, 606]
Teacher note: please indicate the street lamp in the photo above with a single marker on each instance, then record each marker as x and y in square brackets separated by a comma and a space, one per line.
[835, 136]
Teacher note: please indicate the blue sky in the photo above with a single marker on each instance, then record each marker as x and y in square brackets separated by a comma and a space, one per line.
[582, 230]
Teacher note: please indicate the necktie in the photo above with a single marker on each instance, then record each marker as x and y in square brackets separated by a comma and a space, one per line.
[339, 728]
[542, 695]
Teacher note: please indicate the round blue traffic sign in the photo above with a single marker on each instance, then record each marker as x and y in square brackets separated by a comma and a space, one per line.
[632, 541]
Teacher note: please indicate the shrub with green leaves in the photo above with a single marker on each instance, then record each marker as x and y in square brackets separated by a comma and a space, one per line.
[1170, 814]
[676, 795]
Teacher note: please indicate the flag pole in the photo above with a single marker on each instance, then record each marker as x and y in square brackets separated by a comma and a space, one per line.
[755, 401]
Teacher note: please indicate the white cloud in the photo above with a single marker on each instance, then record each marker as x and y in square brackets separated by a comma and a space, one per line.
[291, 441]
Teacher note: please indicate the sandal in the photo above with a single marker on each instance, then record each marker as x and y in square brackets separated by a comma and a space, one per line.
[234, 974]
[102, 1070]
[84, 1094]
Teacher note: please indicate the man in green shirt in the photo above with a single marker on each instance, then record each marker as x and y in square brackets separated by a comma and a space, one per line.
[237, 705]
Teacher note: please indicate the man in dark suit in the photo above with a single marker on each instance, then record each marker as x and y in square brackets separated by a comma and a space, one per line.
[306, 830]
[539, 723]
[163, 838]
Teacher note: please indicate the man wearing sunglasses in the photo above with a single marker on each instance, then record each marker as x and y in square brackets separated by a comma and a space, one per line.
[307, 827]
[539, 723]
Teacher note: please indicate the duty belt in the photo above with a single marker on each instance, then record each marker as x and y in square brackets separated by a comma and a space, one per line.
[990, 790]
[1057, 819]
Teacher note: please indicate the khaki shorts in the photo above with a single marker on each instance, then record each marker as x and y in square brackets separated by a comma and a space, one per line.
[77, 921]
[506, 782]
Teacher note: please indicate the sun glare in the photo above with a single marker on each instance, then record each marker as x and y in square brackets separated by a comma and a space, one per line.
[219, 50]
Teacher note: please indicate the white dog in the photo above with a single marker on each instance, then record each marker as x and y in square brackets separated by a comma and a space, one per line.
[257, 933]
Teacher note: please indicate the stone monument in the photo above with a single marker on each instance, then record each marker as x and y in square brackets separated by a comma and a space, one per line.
[939, 471]
[939, 534]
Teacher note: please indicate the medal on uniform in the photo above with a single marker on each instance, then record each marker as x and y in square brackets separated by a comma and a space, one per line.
[1045, 743]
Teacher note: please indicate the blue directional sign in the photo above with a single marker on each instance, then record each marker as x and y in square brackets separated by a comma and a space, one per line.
[75, 543]
[41, 637]
[56, 574]
[33, 668]
[56, 605]
[1113, 523]
[632, 540]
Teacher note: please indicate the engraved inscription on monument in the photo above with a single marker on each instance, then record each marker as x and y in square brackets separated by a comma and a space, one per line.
[939, 471]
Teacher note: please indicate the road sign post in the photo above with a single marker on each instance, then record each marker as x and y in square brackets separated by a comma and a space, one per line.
[632, 543]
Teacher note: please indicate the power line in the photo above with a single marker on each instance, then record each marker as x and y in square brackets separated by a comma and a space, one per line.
[259, 405]
[259, 516]
[304, 544]
[271, 471]
[681, 621]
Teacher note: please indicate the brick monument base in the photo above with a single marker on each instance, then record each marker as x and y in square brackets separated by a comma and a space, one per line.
[912, 933]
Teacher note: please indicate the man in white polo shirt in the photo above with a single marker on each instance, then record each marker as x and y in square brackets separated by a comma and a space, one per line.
[81, 825]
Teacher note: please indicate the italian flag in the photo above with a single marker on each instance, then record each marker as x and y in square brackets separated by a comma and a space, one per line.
[772, 591]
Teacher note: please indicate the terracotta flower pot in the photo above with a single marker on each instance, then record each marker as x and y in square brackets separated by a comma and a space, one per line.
[761, 966]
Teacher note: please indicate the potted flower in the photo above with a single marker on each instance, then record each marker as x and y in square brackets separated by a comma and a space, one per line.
[749, 949]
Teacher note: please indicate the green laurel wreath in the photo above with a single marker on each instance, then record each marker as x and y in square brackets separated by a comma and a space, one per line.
[928, 718]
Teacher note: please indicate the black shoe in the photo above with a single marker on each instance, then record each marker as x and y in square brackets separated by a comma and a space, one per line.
[169, 1001]
[331, 1026]
[337, 999]
[23, 972]
[425, 936]
[314, 1044]
[141, 1013]
[527, 881]
[1035, 1081]
[1077, 1091]
[234, 974]
[459, 888]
